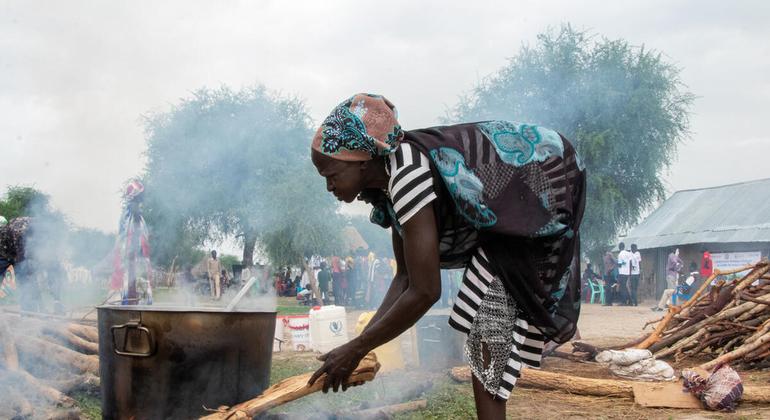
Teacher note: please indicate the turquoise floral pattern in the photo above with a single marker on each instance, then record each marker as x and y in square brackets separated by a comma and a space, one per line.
[464, 186]
[344, 130]
[519, 144]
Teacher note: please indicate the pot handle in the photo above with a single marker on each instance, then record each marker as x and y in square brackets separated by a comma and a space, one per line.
[133, 325]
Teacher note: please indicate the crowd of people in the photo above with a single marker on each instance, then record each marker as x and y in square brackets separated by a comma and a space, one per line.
[619, 277]
[359, 280]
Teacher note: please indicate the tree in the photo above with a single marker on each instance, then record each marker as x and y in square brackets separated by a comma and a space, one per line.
[216, 163]
[89, 247]
[24, 201]
[624, 107]
[309, 223]
[378, 239]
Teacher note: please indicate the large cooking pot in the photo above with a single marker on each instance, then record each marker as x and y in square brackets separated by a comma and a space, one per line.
[166, 362]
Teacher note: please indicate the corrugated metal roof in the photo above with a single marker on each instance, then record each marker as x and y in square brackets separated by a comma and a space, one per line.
[729, 213]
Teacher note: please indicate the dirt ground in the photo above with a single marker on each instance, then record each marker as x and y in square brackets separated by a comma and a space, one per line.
[604, 326]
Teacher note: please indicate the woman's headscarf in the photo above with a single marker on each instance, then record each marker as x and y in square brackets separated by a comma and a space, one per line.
[361, 128]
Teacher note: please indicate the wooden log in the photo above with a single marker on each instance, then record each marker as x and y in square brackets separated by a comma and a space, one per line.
[10, 356]
[84, 383]
[534, 378]
[291, 389]
[47, 352]
[71, 340]
[759, 270]
[681, 344]
[760, 338]
[655, 336]
[739, 269]
[85, 332]
[30, 385]
[725, 314]
[388, 411]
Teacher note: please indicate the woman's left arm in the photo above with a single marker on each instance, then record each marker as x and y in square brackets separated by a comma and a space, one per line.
[420, 246]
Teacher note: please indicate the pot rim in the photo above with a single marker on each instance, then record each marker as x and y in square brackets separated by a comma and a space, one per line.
[182, 309]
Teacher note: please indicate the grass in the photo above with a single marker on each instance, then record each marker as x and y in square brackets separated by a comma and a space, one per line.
[290, 306]
[90, 406]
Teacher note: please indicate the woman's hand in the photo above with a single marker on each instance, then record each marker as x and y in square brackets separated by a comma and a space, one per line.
[338, 365]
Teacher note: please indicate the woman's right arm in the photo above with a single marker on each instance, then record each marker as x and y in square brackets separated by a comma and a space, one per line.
[400, 279]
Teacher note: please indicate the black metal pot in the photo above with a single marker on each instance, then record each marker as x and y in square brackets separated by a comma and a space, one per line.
[162, 363]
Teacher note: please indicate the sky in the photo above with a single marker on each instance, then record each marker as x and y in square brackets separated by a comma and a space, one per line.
[76, 76]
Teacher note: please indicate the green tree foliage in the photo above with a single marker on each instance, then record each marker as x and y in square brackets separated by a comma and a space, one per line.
[21, 201]
[226, 163]
[309, 224]
[624, 107]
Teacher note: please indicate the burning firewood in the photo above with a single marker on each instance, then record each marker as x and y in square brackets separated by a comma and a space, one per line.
[35, 353]
[291, 389]
[47, 352]
[71, 340]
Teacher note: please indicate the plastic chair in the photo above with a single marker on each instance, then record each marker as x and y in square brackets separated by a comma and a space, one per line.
[596, 289]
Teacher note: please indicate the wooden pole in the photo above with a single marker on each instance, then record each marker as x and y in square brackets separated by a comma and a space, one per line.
[291, 389]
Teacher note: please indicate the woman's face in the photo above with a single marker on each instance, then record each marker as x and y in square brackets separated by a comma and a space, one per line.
[343, 179]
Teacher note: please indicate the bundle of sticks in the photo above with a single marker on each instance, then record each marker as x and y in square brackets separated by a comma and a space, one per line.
[42, 363]
[728, 323]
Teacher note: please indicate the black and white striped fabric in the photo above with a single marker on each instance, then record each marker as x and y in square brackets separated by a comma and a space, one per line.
[411, 188]
[411, 182]
[527, 346]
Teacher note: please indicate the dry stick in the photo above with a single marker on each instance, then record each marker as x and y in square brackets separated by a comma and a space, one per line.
[724, 314]
[291, 389]
[656, 335]
[761, 268]
[388, 411]
[680, 344]
[730, 344]
[719, 272]
[760, 337]
[746, 297]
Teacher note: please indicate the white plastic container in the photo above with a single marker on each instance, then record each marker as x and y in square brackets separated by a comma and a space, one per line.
[328, 328]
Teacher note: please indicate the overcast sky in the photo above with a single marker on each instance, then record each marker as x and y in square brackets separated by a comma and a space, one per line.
[75, 76]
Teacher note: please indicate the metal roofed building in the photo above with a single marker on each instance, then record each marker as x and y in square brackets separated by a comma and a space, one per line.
[731, 221]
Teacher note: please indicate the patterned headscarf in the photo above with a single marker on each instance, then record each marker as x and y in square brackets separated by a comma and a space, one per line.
[361, 128]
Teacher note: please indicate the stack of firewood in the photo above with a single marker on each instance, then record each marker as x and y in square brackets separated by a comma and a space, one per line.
[728, 323]
[42, 363]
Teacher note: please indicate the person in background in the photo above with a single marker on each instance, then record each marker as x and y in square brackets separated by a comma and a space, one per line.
[636, 272]
[610, 280]
[674, 265]
[589, 276]
[214, 269]
[225, 280]
[337, 279]
[706, 265]
[624, 274]
[324, 278]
